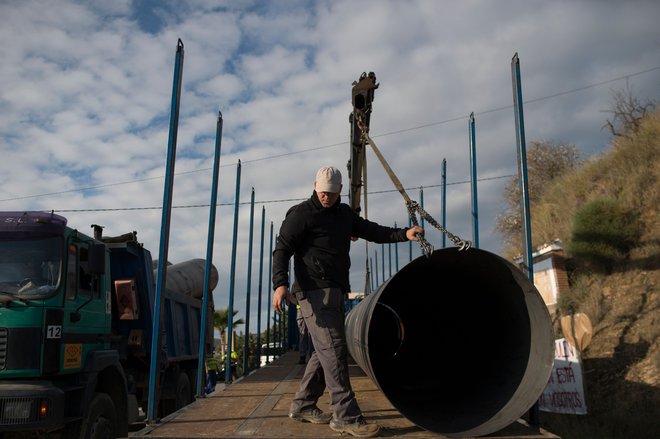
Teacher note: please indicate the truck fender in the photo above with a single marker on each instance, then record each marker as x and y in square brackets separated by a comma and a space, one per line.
[103, 373]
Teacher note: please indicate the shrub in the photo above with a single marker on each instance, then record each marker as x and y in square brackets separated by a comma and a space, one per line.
[603, 233]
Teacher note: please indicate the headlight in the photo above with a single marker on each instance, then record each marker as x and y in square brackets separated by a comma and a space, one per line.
[17, 409]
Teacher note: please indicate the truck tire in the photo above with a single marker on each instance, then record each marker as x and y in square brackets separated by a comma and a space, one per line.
[183, 395]
[101, 418]
[183, 391]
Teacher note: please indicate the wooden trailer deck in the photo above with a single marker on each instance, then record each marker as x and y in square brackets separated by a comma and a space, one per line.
[257, 406]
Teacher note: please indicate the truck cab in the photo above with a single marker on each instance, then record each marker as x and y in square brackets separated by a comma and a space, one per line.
[76, 325]
[55, 327]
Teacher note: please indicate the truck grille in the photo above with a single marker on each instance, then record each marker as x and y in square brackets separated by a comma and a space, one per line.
[18, 411]
[3, 348]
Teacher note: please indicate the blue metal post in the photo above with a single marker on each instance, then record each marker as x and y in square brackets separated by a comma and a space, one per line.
[522, 167]
[396, 254]
[270, 267]
[389, 257]
[259, 304]
[368, 278]
[281, 331]
[154, 375]
[371, 264]
[410, 242]
[276, 343]
[382, 257]
[232, 278]
[473, 181]
[209, 258]
[246, 343]
[276, 324]
[376, 258]
[421, 203]
[524, 190]
[444, 200]
[284, 328]
[292, 333]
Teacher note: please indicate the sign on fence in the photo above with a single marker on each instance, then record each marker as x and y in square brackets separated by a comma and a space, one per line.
[564, 392]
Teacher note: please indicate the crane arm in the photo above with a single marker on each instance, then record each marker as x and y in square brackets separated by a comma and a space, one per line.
[362, 95]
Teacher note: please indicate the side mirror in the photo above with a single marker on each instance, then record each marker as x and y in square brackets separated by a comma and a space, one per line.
[74, 317]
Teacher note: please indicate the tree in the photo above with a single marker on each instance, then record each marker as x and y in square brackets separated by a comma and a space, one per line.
[546, 161]
[220, 322]
[628, 112]
[251, 353]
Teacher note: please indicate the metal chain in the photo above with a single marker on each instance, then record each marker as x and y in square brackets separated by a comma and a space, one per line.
[426, 246]
[412, 206]
[458, 242]
[364, 130]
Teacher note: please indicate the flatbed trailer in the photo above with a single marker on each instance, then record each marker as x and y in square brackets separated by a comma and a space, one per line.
[257, 406]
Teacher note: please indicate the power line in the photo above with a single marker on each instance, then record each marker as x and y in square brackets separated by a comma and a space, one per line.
[332, 145]
[101, 186]
[282, 200]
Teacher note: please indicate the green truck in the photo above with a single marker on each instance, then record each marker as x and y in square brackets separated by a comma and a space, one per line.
[76, 319]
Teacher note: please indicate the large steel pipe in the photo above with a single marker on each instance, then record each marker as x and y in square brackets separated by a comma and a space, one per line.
[460, 343]
[188, 277]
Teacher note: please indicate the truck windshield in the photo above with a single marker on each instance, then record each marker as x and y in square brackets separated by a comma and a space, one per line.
[30, 266]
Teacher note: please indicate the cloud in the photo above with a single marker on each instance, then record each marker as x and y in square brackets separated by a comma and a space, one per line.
[86, 102]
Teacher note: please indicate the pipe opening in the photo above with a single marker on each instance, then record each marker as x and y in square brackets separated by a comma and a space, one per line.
[391, 330]
[462, 312]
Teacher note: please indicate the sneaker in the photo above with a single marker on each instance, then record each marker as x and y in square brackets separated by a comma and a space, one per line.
[358, 428]
[315, 416]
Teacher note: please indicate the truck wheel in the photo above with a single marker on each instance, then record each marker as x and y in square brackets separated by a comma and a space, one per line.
[192, 377]
[182, 398]
[101, 418]
[183, 391]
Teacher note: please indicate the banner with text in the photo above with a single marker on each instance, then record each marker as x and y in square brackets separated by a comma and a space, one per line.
[564, 392]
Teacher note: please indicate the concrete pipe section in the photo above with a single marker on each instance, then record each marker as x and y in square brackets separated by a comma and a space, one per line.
[460, 343]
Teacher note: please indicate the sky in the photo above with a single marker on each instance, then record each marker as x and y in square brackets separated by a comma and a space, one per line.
[86, 96]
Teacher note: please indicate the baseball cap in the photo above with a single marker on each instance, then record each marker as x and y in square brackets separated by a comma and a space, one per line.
[328, 179]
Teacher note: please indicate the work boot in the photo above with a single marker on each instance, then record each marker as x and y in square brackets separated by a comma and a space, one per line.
[315, 416]
[358, 428]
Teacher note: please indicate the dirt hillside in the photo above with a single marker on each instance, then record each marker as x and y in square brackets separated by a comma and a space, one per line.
[622, 363]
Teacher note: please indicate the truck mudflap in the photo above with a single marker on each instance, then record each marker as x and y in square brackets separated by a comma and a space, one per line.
[30, 405]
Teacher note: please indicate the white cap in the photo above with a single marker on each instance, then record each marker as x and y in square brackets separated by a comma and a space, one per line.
[328, 179]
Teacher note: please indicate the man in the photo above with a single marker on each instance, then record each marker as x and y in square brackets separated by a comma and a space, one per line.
[318, 233]
[233, 360]
[211, 372]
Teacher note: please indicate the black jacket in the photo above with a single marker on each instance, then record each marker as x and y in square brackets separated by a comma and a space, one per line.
[320, 240]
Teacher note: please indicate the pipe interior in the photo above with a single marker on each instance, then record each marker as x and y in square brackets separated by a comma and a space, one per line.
[449, 339]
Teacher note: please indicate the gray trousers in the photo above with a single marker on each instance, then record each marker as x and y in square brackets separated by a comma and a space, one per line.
[305, 346]
[323, 312]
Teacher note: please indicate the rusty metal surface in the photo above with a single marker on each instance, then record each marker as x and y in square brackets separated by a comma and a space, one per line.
[258, 406]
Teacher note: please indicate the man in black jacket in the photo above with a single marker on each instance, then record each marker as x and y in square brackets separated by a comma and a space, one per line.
[318, 234]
